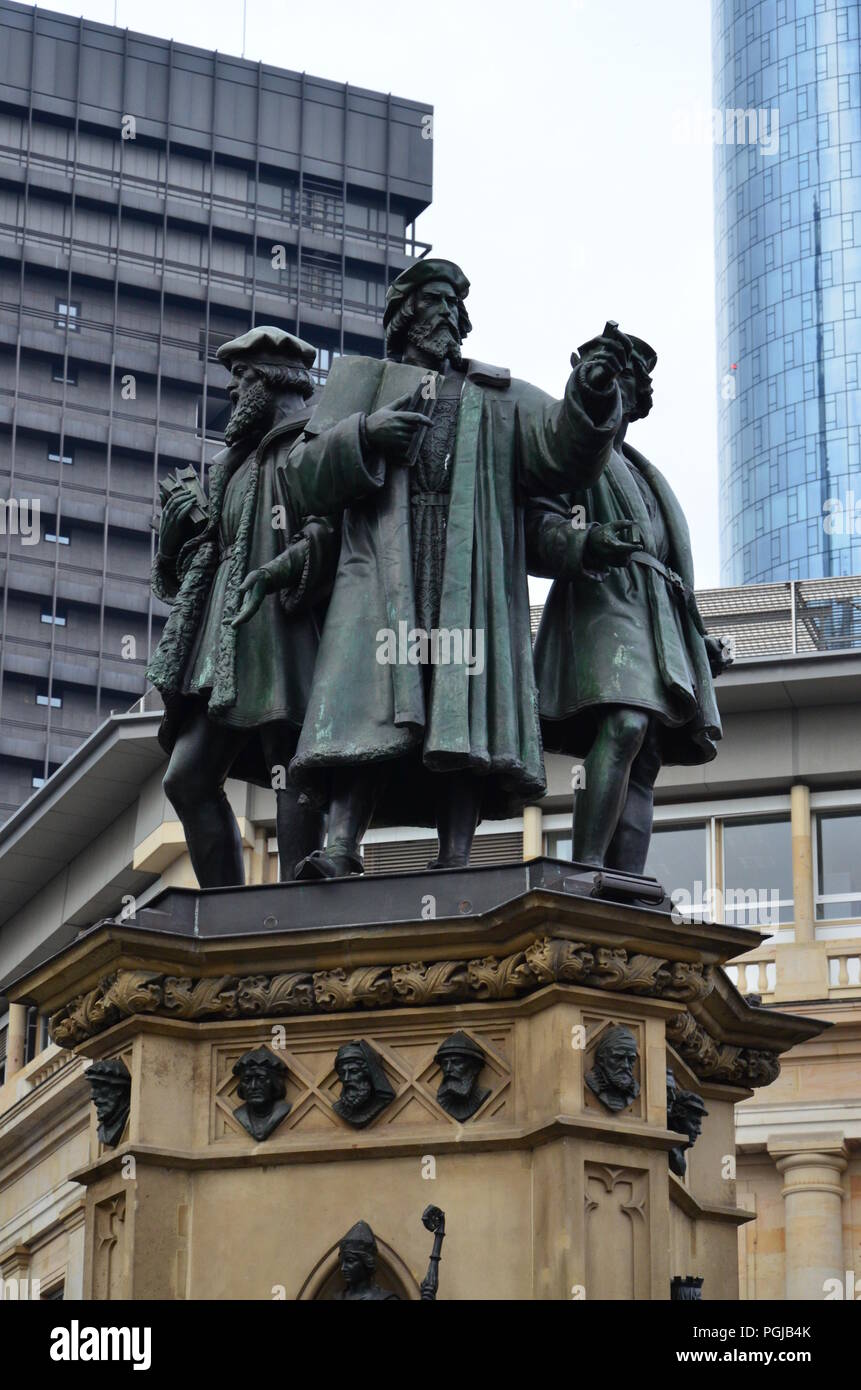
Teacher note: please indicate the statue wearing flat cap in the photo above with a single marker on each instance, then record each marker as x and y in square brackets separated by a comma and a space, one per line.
[423, 707]
[622, 659]
[236, 656]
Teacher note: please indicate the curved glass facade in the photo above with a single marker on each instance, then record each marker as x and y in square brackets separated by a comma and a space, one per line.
[786, 127]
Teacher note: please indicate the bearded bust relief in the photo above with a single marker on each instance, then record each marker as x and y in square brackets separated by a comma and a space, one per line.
[461, 1061]
[365, 1088]
[612, 1078]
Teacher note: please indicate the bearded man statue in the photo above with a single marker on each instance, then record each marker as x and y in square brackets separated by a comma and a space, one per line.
[428, 457]
[235, 684]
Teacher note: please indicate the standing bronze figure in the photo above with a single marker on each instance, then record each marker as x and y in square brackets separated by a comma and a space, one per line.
[235, 682]
[429, 456]
[622, 659]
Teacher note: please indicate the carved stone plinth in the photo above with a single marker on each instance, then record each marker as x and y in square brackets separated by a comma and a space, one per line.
[505, 1059]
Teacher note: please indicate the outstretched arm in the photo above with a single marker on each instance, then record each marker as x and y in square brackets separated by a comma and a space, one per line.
[566, 444]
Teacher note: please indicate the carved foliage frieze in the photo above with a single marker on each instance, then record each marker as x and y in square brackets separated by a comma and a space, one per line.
[545, 961]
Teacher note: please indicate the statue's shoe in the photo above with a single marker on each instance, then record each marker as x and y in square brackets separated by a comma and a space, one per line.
[320, 864]
[442, 863]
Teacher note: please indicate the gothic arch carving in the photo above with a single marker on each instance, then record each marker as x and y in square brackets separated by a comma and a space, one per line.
[392, 1273]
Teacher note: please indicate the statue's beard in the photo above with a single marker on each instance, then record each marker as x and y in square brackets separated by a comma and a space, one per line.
[618, 1080]
[355, 1097]
[106, 1114]
[252, 415]
[436, 340]
[457, 1088]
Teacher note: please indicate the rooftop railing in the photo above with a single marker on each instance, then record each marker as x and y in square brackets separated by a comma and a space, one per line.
[794, 617]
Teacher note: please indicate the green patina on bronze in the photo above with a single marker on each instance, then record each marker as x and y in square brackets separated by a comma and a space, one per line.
[512, 439]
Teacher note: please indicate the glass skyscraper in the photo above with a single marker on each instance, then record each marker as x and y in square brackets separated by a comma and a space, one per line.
[787, 139]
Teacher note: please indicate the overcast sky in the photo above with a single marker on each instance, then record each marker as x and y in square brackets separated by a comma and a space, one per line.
[560, 182]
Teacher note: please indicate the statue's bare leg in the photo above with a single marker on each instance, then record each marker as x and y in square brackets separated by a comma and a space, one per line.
[194, 785]
[599, 802]
[629, 846]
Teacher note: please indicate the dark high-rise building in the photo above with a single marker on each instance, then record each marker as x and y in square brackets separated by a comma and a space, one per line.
[155, 201]
[787, 106]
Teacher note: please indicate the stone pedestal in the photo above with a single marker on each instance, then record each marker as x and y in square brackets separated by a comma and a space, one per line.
[548, 1192]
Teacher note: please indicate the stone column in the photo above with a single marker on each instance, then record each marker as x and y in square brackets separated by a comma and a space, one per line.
[802, 965]
[802, 863]
[811, 1166]
[533, 846]
[16, 1044]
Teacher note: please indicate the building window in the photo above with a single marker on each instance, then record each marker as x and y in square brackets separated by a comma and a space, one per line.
[678, 859]
[52, 701]
[54, 1294]
[69, 375]
[757, 877]
[37, 1033]
[4, 1039]
[57, 619]
[68, 312]
[557, 844]
[838, 868]
[37, 780]
[54, 456]
[56, 538]
[218, 410]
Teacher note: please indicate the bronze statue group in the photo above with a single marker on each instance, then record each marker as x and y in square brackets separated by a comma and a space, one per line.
[414, 496]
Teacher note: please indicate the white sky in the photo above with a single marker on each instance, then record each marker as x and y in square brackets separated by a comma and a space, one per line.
[558, 183]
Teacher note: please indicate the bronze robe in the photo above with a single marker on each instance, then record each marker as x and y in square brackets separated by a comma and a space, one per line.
[261, 672]
[622, 636]
[511, 440]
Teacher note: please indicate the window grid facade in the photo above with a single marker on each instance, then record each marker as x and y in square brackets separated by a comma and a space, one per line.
[202, 195]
